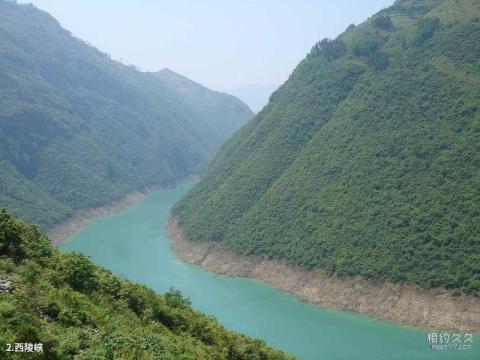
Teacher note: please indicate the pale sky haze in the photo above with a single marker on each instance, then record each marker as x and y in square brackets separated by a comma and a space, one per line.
[223, 44]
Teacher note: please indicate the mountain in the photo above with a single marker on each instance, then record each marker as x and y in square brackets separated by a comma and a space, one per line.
[222, 112]
[80, 130]
[79, 310]
[256, 96]
[367, 160]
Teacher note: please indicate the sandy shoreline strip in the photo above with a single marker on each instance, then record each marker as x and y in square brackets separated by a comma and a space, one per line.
[404, 304]
[81, 218]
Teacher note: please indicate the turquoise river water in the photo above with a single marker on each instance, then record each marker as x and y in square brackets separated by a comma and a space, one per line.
[133, 244]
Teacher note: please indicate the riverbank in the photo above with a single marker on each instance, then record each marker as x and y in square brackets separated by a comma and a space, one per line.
[81, 218]
[401, 303]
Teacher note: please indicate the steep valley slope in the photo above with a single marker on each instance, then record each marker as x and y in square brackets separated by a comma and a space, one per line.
[79, 130]
[366, 162]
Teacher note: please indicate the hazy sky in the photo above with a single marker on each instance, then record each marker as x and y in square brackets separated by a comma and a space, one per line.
[223, 44]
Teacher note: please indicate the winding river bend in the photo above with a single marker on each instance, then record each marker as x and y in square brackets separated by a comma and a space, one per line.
[133, 244]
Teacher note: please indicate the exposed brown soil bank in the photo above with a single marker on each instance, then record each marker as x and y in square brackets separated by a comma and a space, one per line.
[400, 303]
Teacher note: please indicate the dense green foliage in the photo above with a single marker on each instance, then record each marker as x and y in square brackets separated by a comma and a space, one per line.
[367, 160]
[78, 129]
[80, 311]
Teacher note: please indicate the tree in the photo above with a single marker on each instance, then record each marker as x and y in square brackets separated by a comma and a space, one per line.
[383, 22]
[329, 48]
[425, 29]
[10, 240]
[175, 298]
[79, 272]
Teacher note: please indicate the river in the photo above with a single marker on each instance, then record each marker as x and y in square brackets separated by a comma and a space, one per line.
[133, 244]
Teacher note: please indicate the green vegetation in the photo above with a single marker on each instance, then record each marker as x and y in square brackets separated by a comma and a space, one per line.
[81, 311]
[79, 130]
[367, 160]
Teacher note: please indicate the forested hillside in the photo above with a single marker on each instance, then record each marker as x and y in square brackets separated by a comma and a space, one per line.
[79, 130]
[367, 160]
[78, 310]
